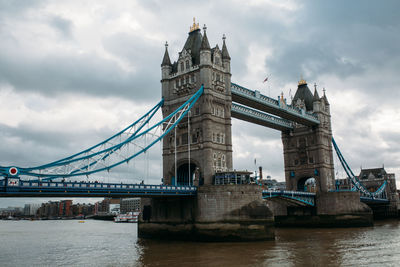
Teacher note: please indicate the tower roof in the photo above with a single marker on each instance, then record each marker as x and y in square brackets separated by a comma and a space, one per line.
[304, 93]
[166, 61]
[193, 43]
[225, 54]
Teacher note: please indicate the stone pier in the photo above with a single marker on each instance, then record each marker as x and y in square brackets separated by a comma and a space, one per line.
[218, 213]
[333, 209]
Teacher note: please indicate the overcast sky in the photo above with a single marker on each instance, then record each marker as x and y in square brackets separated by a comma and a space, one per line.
[74, 72]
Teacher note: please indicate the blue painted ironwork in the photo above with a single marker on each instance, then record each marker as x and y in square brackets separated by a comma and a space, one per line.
[302, 198]
[378, 195]
[93, 160]
[30, 188]
[273, 105]
[249, 114]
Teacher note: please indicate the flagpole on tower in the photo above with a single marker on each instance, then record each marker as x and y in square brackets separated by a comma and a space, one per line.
[269, 87]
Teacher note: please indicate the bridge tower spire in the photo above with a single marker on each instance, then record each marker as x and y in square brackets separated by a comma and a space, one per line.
[210, 119]
[308, 151]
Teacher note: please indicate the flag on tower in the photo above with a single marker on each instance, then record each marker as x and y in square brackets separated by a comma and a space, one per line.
[266, 79]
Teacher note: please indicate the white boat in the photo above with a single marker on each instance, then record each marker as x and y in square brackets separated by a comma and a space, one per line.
[130, 217]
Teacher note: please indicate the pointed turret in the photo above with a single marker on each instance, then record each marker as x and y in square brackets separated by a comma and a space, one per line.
[316, 96]
[225, 54]
[205, 50]
[166, 61]
[325, 98]
[205, 45]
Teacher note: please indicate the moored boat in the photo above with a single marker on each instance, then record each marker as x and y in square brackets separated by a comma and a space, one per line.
[130, 217]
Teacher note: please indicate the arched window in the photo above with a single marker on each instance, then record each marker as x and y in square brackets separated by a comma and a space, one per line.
[187, 64]
[182, 66]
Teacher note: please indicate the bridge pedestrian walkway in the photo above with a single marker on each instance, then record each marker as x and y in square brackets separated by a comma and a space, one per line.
[255, 99]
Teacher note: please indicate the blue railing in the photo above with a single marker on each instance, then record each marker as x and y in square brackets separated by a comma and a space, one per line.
[304, 198]
[43, 188]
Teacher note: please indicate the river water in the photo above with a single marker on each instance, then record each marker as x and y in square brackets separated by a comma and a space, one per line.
[102, 243]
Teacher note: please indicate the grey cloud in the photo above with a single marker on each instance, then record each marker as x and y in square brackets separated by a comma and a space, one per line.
[13, 7]
[62, 25]
[88, 74]
[28, 146]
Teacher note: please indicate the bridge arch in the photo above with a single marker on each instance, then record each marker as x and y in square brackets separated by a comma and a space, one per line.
[182, 173]
[183, 176]
[307, 184]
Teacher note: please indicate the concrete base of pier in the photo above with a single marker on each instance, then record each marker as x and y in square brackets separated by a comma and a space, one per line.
[218, 213]
[333, 209]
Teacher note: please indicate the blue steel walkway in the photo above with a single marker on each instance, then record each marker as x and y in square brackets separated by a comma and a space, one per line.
[308, 199]
[85, 189]
[294, 197]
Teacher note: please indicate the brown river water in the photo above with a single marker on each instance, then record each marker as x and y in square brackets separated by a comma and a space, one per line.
[102, 243]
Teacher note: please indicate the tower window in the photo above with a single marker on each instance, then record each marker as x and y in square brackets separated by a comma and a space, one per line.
[187, 79]
[218, 77]
[182, 66]
[184, 139]
[187, 64]
[194, 138]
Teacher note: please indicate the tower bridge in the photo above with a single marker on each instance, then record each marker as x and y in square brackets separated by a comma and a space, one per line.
[198, 102]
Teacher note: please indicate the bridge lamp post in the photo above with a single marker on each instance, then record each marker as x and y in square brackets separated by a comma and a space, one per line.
[176, 171]
[189, 145]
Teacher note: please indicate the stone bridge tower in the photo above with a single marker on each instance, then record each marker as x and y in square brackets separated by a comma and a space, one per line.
[209, 133]
[308, 151]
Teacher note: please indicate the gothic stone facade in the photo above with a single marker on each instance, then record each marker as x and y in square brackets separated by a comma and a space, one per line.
[308, 150]
[210, 119]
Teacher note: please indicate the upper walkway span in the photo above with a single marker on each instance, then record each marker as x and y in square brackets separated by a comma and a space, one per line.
[264, 103]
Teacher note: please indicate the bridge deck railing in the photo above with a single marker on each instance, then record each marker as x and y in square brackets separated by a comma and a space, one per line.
[235, 88]
[263, 116]
[93, 187]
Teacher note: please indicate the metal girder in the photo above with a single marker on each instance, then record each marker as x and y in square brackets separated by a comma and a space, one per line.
[260, 118]
[264, 103]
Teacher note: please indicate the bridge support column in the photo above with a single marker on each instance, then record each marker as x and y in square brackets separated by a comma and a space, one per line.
[342, 209]
[218, 213]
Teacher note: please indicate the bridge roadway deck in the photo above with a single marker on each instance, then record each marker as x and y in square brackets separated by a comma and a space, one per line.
[264, 103]
[308, 199]
[86, 189]
[33, 188]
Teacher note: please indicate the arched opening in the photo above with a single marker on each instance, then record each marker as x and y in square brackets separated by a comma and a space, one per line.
[184, 178]
[307, 184]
